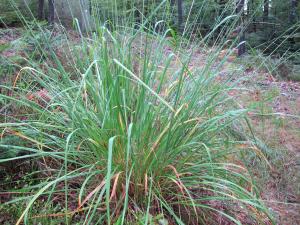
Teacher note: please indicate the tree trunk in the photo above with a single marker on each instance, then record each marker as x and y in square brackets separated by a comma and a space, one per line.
[240, 7]
[137, 18]
[41, 10]
[221, 15]
[180, 14]
[51, 11]
[293, 11]
[254, 16]
[241, 32]
[242, 43]
[266, 10]
[248, 8]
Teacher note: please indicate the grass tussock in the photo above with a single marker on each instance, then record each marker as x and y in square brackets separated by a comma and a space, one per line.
[121, 131]
[126, 134]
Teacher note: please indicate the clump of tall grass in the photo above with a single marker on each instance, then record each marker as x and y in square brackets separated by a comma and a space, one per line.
[130, 130]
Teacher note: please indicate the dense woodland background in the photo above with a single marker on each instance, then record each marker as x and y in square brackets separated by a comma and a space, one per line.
[270, 25]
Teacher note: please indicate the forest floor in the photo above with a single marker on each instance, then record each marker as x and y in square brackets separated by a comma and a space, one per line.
[276, 121]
